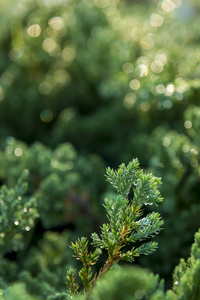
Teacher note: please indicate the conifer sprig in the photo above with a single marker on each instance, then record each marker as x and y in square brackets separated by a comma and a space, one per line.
[125, 225]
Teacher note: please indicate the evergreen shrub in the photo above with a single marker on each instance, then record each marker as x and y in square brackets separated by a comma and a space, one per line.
[83, 85]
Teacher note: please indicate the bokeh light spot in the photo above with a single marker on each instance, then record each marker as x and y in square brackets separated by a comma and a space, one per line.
[186, 148]
[34, 30]
[139, 294]
[156, 20]
[166, 141]
[88, 3]
[168, 5]
[157, 66]
[143, 60]
[49, 45]
[45, 88]
[134, 84]
[170, 88]
[147, 43]
[145, 106]
[46, 116]
[160, 89]
[194, 163]
[162, 57]
[6, 79]
[128, 68]
[129, 100]
[141, 70]
[61, 76]
[16, 53]
[18, 152]
[102, 3]
[135, 34]
[68, 54]
[178, 3]
[188, 124]
[194, 151]
[56, 23]
[167, 104]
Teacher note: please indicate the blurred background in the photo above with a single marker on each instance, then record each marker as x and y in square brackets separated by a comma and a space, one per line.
[90, 84]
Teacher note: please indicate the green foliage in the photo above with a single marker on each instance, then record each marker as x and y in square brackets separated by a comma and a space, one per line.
[59, 179]
[125, 225]
[83, 85]
[17, 214]
[125, 283]
[186, 275]
[16, 292]
[44, 268]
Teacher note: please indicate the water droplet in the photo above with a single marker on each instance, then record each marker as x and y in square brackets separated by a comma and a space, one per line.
[148, 203]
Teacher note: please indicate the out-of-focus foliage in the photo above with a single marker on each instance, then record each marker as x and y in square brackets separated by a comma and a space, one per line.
[86, 84]
[64, 184]
[127, 283]
[186, 275]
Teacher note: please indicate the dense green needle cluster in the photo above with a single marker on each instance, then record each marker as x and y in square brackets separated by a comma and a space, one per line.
[17, 214]
[127, 225]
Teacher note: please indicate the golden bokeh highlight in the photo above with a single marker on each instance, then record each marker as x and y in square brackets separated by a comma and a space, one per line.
[134, 84]
[49, 45]
[188, 124]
